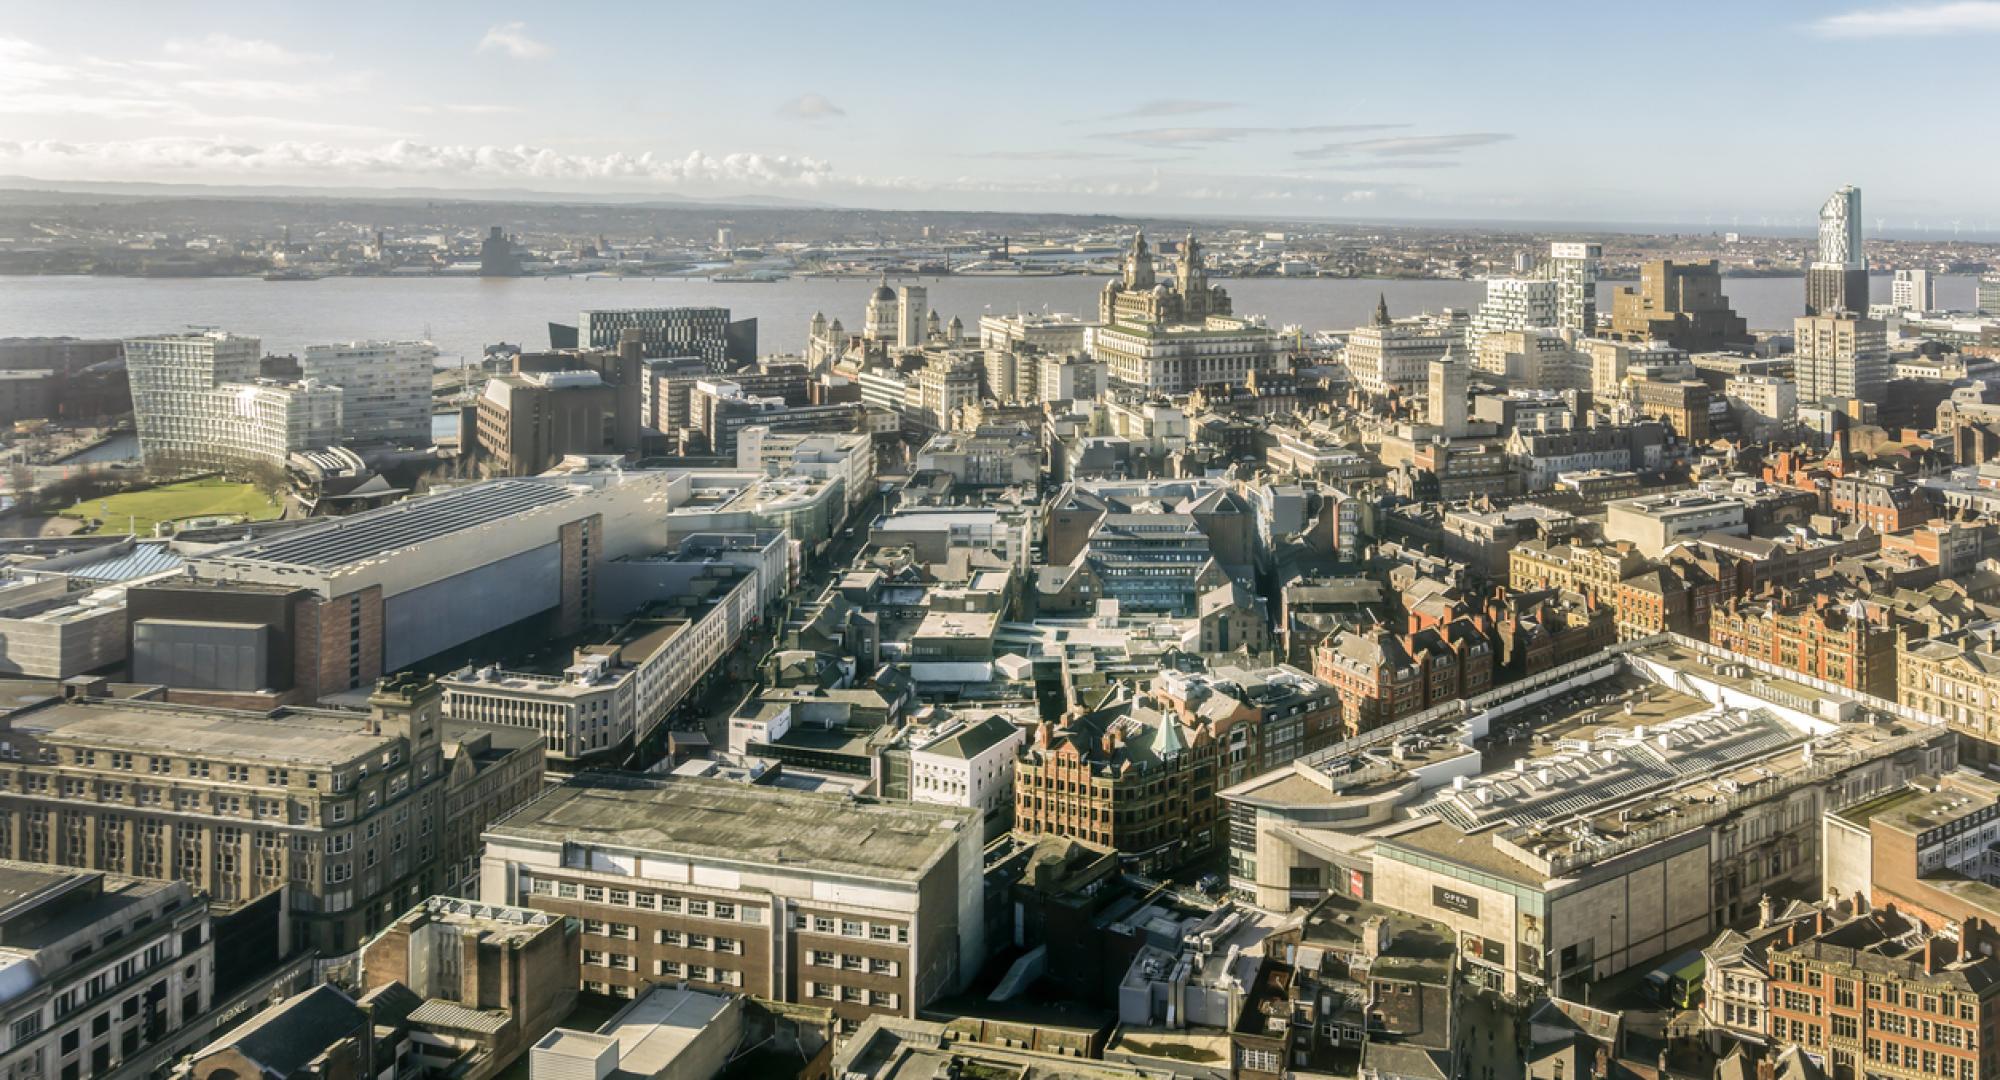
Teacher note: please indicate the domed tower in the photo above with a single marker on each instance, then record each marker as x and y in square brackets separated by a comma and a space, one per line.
[879, 323]
[1191, 281]
[1139, 263]
[932, 327]
[954, 330]
[818, 328]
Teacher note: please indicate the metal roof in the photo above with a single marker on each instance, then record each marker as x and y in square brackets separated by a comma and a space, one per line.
[348, 540]
[144, 560]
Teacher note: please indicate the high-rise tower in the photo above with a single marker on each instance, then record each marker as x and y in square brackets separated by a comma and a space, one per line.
[1837, 280]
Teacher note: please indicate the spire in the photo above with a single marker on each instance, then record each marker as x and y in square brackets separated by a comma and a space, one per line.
[1171, 741]
[1381, 309]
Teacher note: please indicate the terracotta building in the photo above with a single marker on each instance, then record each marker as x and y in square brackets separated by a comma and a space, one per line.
[1846, 641]
[1130, 774]
[1878, 996]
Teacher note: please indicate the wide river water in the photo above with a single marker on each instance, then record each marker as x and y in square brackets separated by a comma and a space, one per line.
[464, 315]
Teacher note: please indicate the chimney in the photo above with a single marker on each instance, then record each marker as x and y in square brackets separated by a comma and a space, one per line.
[1930, 955]
[1819, 923]
[1767, 1068]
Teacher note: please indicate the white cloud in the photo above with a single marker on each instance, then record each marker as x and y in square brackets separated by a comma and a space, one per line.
[1171, 107]
[240, 50]
[811, 107]
[1177, 137]
[228, 159]
[512, 38]
[1914, 20]
[463, 110]
[1407, 145]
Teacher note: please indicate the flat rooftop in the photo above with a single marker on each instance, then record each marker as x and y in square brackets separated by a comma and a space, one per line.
[301, 737]
[727, 822]
[373, 533]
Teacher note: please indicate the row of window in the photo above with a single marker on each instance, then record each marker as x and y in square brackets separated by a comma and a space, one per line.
[851, 928]
[696, 907]
[881, 999]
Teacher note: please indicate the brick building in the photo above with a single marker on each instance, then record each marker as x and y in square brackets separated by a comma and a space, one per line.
[1878, 996]
[1846, 641]
[1132, 775]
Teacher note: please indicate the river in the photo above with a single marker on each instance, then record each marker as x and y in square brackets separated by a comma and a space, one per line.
[463, 315]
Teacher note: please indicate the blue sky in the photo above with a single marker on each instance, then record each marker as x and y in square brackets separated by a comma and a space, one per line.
[1692, 112]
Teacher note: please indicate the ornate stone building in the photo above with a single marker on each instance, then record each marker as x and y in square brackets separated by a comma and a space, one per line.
[1138, 298]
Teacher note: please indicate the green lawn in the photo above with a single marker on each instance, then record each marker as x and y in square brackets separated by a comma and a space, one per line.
[213, 497]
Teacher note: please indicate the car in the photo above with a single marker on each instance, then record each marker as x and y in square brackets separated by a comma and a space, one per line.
[1209, 883]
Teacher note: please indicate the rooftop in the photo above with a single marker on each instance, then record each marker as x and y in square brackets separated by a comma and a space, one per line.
[341, 542]
[726, 822]
[310, 737]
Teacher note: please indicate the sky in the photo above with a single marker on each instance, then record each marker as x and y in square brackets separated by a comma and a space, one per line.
[1698, 113]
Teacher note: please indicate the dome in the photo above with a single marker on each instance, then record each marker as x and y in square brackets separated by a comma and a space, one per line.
[883, 294]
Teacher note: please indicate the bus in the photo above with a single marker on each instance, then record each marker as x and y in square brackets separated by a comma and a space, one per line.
[1677, 982]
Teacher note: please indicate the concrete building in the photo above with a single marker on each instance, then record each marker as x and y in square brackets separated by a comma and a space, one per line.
[1653, 523]
[1057, 334]
[1643, 825]
[969, 761]
[1837, 279]
[199, 402]
[491, 980]
[349, 813]
[864, 907]
[947, 386]
[1841, 357]
[1512, 303]
[98, 968]
[987, 457]
[335, 605]
[1445, 395]
[847, 457]
[385, 388]
[612, 696]
[53, 626]
[555, 404]
[1912, 290]
[1681, 304]
[1073, 377]
[666, 1031]
[1573, 267]
[912, 308]
[1766, 406]
[1387, 355]
[706, 332]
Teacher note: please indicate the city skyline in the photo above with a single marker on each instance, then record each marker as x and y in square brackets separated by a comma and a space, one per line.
[1012, 115]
